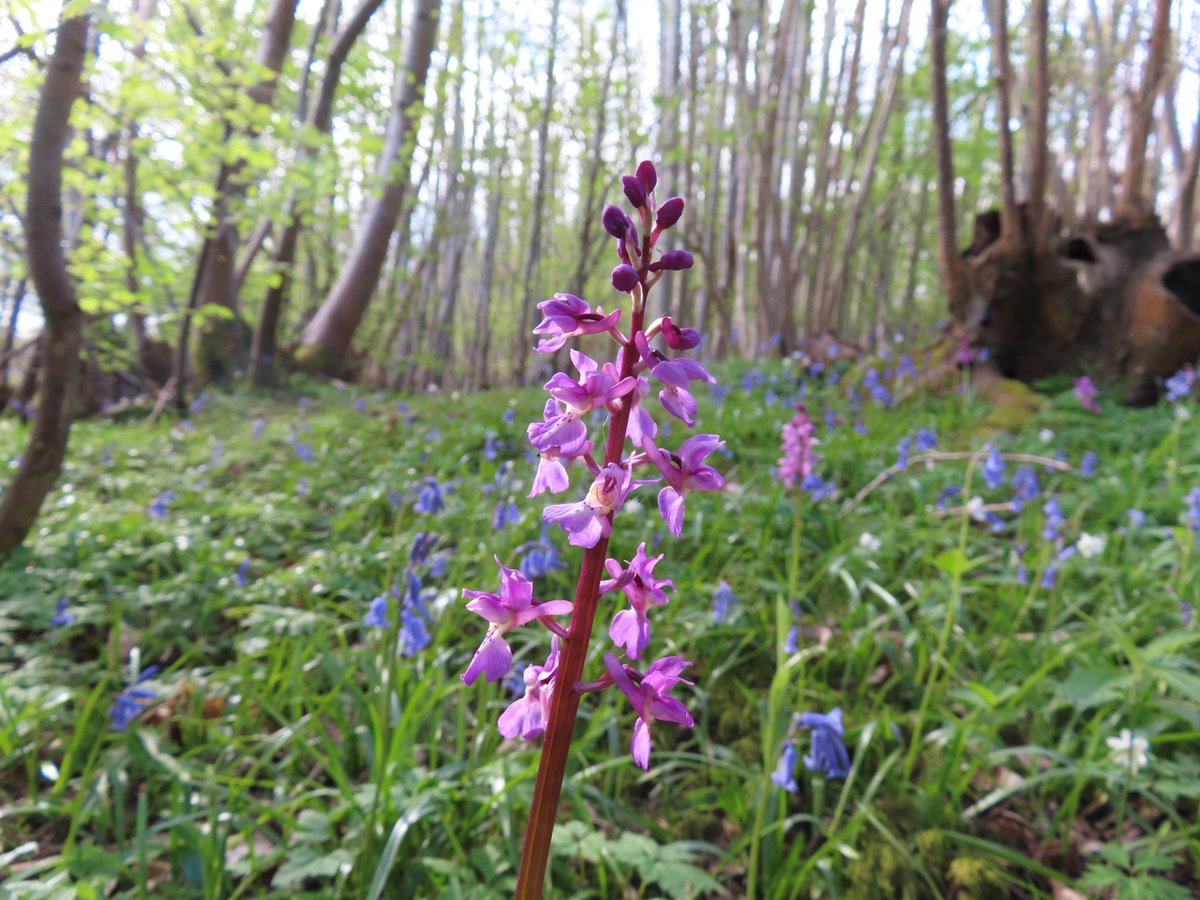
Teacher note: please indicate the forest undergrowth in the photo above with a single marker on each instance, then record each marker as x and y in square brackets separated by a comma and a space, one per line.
[230, 658]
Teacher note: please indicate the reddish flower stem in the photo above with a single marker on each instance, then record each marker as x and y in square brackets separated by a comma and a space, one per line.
[564, 707]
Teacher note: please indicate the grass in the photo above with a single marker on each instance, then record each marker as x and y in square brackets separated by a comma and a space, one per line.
[291, 751]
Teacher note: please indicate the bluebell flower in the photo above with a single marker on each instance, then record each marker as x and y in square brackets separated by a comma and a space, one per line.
[830, 420]
[1087, 465]
[130, 702]
[723, 602]
[993, 468]
[1049, 576]
[1054, 519]
[414, 635]
[506, 514]
[1180, 385]
[198, 404]
[491, 447]
[903, 449]
[438, 563]
[158, 508]
[784, 775]
[945, 494]
[815, 369]
[377, 615]
[304, 452]
[1022, 573]
[906, 369]
[1137, 518]
[834, 377]
[422, 546]
[509, 416]
[393, 499]
[791, 641]
[360, 405]
[239, 577]
[62, 615]
[257, 429]
[770, 397]
[828, 755]
[1025, 487]
[860, 427]
[430, 499]
[751, 380]
[926, 440]
[302, 488]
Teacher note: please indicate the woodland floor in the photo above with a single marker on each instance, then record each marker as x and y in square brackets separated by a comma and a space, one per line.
[284, 749]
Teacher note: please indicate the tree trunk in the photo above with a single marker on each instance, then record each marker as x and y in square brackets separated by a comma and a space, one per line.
[327, 337]
[61, 341]
[534, 248]
[214, 279]
[949, 264]
[263, 367]
[1011, 227]
[1133, 186]
[1187, 193]
[1039, 145]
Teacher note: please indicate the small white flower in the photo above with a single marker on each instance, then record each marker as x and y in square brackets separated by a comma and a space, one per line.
[869, 543]
[975, 509]
[1090, 545]
[1129, 750]
[1045, 435]
[1182, 413]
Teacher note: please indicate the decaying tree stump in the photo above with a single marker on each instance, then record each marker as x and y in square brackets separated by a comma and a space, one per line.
[1109, 297]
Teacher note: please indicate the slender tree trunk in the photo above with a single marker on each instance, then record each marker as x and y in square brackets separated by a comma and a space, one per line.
[327, 337]
[214, 278]
[1133, 186]
[263, 363]
[949, 263]
[534, 247]
[1039, 143]
[1187, 193]
[1010, 226]
[17, 297]
[63, 336]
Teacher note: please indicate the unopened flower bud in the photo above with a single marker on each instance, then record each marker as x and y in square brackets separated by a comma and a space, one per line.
[675, 260]
[679, 338]
[634, 190]
[624, 278]
[615, 222]
[669, 213]
[647, 175]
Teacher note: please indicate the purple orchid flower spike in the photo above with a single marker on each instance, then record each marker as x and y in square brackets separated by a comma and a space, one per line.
[798, 459]
[1086, 393]
[526, 717]
[588, 520]
[568, 316]
[512, 607]
[684, 473]
[675, 375]
[630, 628]
[650, 700]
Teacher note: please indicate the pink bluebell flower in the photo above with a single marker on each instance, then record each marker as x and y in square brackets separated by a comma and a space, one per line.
[650, 700]
[630, 627]
[512, 607]
[684, 472]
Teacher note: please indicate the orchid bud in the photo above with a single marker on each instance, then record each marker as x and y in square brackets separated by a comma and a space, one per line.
[647, 175]
[615, 222]
[669, 213]
[676, 260]
[634, 190]
[625, 278]
[679, 338]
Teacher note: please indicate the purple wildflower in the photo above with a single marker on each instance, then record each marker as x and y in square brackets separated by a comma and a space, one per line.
[158, 508]
[1089, 463]
[993, 468]
[724, 602]
[650, 700]
[589, 520]
[684, 472]
[926, 440]
[568, 316]
[828, 755]
[1085, 393]
[239, 577]
[512, 607]
[784, 775]
[62, 614]
[526, 717]
[130, 702]
[630, 627]
[377, 614]
[798, 457]
[430, 499]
